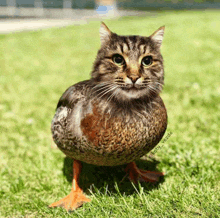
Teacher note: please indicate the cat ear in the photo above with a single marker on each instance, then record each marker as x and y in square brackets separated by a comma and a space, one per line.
[105, 33]
[157, 36]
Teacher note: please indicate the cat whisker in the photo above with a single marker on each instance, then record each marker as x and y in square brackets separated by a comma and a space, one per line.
[112, 95]
[103, 93]
[119, 84]
[118, 79]
[154, 85]
[101, 88]
[153, 90]
[99, 97]
[150, 80]
[158, 85]
[101, 85]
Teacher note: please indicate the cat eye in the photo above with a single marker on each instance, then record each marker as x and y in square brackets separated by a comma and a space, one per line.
[118, 59]
[146, 61]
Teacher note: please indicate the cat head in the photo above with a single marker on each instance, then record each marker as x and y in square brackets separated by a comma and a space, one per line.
[128, 67]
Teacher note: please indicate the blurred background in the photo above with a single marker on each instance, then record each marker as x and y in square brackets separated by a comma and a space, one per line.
[70, 8]
[47, 13]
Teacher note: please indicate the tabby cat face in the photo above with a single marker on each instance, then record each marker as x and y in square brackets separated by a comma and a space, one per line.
[128, 67]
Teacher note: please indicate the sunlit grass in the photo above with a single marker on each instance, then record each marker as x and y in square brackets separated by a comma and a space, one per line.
[36, 68]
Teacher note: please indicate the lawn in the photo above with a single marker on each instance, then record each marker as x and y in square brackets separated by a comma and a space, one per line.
[36, 67]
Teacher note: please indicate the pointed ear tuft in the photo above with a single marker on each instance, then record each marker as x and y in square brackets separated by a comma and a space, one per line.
[157, 36]
[105, 33]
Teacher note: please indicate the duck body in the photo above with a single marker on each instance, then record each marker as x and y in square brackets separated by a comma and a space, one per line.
[106, 133]
[117, 116]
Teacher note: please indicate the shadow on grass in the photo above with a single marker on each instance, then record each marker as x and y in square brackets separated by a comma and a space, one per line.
[104, 178]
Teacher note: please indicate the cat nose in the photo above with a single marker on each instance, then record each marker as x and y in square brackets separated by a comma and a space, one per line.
[133, 78]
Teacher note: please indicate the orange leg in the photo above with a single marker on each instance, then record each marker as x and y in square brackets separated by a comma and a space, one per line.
[136, 174]
[76, 198]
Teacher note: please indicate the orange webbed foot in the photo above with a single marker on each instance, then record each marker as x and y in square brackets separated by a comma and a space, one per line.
[136, 174]
[72, 201]
[76, 198]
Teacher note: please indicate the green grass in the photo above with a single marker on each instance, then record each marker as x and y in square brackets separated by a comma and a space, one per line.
[36, 67]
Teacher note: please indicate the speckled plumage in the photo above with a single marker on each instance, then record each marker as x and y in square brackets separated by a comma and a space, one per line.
[84, 129]
[125, 122]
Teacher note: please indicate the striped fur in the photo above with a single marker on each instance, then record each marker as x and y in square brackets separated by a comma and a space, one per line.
[133, 49]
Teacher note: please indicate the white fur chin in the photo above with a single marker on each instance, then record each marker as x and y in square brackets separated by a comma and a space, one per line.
[131, 94]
